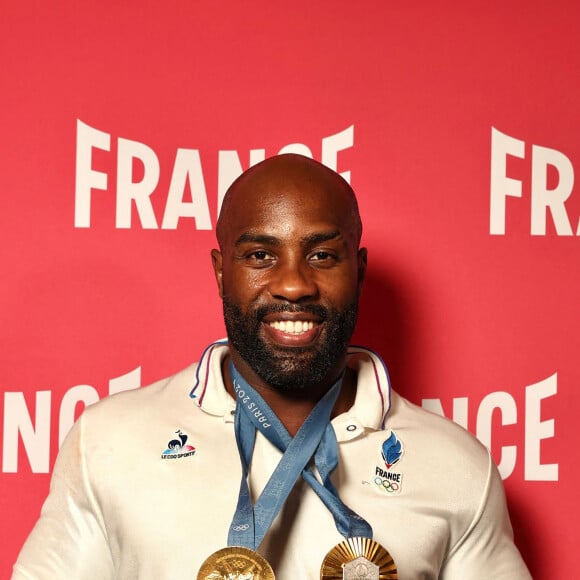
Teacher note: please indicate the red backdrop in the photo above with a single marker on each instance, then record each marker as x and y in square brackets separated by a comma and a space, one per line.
[458, 126]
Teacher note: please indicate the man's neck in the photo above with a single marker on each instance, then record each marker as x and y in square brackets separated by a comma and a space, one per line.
[293, 407]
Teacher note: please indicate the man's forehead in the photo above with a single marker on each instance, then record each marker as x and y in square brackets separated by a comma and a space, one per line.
[293, 215]
[277, 200]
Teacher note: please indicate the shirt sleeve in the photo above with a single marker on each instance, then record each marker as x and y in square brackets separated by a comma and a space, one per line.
[486, 549]
[69, 540]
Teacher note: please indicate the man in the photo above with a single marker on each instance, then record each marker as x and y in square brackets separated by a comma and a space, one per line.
[289, 271]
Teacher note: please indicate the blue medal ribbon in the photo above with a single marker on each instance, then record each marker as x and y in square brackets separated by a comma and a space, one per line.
[315, 437]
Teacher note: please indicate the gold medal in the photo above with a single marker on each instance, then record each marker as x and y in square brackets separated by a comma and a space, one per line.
[235, 563]
[358, 559]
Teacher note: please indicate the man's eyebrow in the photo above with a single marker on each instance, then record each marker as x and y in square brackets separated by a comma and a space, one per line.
[249, 237]
[319, 237]
[308, 240]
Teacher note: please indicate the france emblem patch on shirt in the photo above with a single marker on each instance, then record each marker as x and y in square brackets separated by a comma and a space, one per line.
[384, 479]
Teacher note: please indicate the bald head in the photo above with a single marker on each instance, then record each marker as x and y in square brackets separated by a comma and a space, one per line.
[265, 186]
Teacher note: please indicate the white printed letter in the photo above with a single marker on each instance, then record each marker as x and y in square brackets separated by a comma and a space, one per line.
[544, 198]
[128, 190]
[501, 185]
[536, 430]
[509, 415]
[187, 167]
[36, 438]
[335, 143]
[86, 177]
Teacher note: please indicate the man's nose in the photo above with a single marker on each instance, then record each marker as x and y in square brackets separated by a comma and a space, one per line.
[292, 280]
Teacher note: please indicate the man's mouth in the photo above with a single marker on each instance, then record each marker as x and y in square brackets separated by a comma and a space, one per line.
[292, 326]
[296, 332]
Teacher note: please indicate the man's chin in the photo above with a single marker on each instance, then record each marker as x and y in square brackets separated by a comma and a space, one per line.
[291, 369]
[297, 382]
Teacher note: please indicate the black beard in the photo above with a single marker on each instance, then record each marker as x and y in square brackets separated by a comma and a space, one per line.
[290, 368]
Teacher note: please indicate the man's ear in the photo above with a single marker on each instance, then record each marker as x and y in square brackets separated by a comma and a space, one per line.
[217, 263]
[362, 266]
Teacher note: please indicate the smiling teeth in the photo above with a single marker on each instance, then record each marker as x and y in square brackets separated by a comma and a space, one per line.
[293, 326]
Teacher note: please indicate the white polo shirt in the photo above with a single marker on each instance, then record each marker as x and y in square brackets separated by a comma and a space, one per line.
[146, 484]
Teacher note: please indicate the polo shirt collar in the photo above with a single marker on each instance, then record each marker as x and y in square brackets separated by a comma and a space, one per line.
[369, 411]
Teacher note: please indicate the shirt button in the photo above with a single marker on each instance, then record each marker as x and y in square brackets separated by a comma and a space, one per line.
[351, 428]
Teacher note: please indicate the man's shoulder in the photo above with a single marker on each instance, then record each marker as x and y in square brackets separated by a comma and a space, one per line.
[171, 391]
[437, 437]
[136, 425]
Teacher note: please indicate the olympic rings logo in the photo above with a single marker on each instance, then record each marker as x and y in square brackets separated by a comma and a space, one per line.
[241, 528]
[386, 485]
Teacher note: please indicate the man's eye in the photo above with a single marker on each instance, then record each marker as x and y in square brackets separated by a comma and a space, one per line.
[259, 256]
[322, 258]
